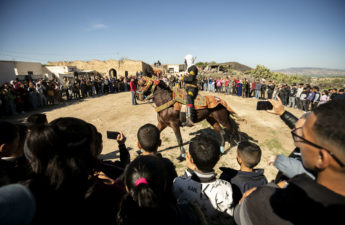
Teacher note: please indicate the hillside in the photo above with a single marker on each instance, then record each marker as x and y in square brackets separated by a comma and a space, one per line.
[312, 71]
[237, 66]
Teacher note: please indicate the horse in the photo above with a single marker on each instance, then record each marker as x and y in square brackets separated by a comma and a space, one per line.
[168, 116]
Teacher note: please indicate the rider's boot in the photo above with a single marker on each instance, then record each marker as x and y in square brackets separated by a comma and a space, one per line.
[189, 121]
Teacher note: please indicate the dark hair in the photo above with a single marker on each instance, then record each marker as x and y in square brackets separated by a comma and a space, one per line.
[37, 119]
[144, 200]
[250, 153]
[205, 152]
[63, 152]
[149, 137]
[330, 123]
[8, 132]
[326, 92]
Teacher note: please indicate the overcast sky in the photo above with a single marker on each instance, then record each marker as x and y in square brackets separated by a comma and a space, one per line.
[277, 33]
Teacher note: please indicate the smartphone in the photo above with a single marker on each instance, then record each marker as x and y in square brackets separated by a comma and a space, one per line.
[264, 105]
[112, 134]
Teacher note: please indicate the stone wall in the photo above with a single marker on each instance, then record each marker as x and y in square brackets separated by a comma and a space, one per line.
[103, 67]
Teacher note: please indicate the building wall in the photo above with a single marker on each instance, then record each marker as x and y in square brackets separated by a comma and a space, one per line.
[6, 72]
[24, 67]
[103, 67]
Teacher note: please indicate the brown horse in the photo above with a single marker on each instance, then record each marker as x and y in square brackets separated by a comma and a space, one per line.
[170, 117]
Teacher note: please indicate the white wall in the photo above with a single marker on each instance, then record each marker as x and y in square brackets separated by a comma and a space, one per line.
[7, 72]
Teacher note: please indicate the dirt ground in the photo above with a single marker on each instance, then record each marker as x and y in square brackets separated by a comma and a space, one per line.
[114, 112]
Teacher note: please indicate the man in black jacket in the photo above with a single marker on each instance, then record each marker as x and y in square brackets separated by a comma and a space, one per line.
[270, 89]
[292, 96]
[306, 201]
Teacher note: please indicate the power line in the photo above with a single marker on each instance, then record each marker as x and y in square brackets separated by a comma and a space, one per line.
[54, 54]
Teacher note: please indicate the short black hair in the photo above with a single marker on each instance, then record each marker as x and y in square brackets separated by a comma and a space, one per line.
[8, 132]
[149, 137]
[37, 119]
[330, 123]
[205, 152]
[250, 153]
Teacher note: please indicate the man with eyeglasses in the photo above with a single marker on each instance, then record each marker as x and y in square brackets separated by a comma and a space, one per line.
[306, 201]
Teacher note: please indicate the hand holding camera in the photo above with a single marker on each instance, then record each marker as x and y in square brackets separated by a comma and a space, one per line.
[278, 107]
[121, 139]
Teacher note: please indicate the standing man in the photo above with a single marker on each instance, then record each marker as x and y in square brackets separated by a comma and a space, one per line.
[191, 88]
[270, 89]
[322, 144]
[298, 96]
[133, 90]
[292, 96]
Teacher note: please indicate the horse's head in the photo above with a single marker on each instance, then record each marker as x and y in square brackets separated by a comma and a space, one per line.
[143, 87]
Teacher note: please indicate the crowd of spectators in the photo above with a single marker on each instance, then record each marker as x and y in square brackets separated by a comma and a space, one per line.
[18, 97]
[299, 96]
[51, 173]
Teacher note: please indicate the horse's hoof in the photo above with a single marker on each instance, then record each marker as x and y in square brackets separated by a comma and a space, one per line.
[181, 158]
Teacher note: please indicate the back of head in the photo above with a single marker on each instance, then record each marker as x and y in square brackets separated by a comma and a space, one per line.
[145, 180]
[149, 137]
[205, 152]
[37, 119]
[329, 126]
[250, 153]
[62, 151]
[8, 132]
[9, 137]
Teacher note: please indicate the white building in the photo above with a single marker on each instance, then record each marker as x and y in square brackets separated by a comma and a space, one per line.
[175, 68]
[62, 71]
[10, 70]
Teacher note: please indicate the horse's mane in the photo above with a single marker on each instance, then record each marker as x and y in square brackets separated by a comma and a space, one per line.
[164, 86]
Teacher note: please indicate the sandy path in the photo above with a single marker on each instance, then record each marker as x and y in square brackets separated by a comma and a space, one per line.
[114, 112]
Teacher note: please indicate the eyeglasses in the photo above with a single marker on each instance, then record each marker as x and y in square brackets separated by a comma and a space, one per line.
[298, 138]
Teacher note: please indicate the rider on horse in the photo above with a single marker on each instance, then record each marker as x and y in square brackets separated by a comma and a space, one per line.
[191, 89]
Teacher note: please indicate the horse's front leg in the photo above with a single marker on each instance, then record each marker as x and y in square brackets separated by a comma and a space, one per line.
[161, 126]
[220, 130]
[176, 129]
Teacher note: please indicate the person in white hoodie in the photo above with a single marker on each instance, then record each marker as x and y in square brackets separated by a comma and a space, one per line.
[191, 88]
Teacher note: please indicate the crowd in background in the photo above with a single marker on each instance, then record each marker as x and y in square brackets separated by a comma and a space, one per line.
[22, 96]
[300, 96]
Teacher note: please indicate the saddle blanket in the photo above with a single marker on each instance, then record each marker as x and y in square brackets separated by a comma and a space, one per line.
[200, 102]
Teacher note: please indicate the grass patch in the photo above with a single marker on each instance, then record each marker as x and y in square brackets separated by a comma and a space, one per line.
[166, 139]
[274, 132]
[274, 145]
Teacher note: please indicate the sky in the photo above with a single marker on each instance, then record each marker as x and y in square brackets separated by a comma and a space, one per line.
[275, 33]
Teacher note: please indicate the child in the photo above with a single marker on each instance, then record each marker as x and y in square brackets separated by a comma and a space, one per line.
[146, 201]
[200, 186]
[248, 156]
[149, 141]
